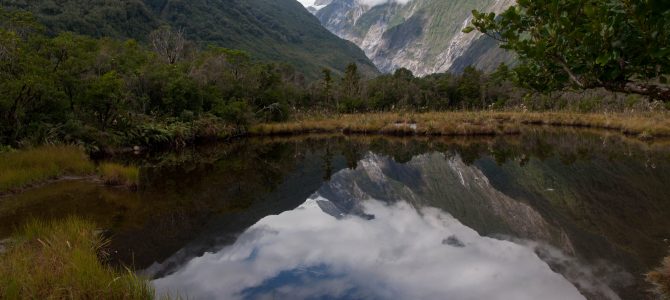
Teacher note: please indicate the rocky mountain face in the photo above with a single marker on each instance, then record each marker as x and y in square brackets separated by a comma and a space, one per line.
[424, 36]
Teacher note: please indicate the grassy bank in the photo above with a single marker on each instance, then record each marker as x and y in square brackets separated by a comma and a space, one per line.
[62, 260]
[20, 169]
[648, 125]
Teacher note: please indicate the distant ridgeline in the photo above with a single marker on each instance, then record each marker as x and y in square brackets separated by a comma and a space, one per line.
[273, 30]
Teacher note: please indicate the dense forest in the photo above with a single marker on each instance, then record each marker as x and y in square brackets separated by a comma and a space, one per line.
[270, 30]
[166, 90]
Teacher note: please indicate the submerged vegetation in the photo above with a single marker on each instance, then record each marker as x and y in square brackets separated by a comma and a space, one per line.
[19, 169]
[64, 260]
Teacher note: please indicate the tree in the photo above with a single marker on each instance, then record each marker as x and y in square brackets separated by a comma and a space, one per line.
[619, 45]
[351, 81]
[470, 87]
[327, 84]
[169, 44]
[105, 97]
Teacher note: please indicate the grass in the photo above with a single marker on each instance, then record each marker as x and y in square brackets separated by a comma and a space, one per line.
[642, 125]
[116, 174]
[22, 168]
[62, 260]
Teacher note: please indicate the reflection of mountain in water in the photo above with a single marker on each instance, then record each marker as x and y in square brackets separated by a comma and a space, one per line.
[428, 180]
[448, 183]
[400, 254]
[466, 193]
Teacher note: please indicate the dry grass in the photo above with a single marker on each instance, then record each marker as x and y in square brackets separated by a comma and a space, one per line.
[61, 260]
[660, 279]
[23, 168]
[647, 125]
[116, 174]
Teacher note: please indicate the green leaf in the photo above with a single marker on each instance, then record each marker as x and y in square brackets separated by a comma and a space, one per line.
[468, 29]
[603, 59]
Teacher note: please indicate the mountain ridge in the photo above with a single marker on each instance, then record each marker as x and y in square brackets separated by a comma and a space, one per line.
[272, 30]
[424, 36]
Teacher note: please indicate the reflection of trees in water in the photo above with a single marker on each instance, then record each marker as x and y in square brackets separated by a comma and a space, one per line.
[229, 186]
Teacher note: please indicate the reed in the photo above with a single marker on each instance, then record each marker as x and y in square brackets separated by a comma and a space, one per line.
[20, 169]
[62, 260]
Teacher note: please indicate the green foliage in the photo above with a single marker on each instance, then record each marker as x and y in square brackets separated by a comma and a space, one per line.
[618, 45]
[271, 30]
[108, 93]
[236, 112]
[105, 93]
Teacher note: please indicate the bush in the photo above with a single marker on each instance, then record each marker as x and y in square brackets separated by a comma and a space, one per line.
[238, 113]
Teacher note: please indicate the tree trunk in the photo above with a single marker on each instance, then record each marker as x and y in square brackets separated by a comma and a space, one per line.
[652, 91]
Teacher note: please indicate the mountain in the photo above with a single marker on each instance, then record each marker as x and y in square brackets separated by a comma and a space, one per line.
[274, 30]
[424, 36]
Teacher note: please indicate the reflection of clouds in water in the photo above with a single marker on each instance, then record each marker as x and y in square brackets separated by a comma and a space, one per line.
[306, 253]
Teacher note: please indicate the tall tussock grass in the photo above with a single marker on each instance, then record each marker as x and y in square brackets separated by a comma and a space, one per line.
[22, 168]
[649, 125]
[116, 174]
[63, 260]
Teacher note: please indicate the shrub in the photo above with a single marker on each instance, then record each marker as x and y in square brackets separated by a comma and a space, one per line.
[238, 113]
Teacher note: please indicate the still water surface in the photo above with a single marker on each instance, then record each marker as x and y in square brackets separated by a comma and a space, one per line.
[549, 214]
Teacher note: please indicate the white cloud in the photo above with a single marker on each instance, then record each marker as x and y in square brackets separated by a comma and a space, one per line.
[400, 254]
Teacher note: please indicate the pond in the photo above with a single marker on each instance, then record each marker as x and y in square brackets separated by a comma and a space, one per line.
[552, 214]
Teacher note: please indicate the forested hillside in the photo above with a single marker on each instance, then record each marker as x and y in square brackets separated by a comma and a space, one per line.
[274, 30]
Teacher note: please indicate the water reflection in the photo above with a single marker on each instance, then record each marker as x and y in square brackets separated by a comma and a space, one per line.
[593, 207]
[401, 253]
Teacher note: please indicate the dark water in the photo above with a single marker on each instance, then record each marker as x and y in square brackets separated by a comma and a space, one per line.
[548, 214]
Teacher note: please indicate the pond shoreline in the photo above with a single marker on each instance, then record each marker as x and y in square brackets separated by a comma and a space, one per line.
[642, 126]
